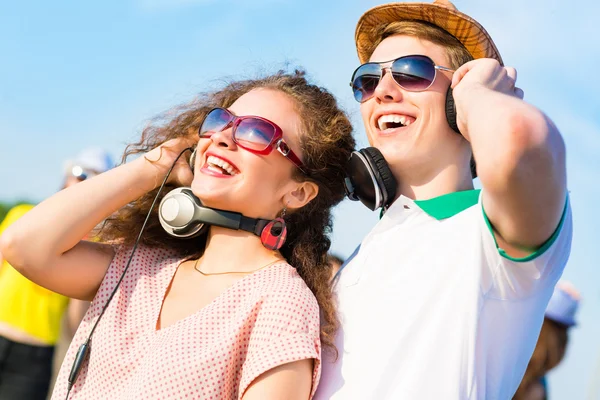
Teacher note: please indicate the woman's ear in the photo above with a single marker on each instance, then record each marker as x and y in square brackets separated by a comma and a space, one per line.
[302, 195]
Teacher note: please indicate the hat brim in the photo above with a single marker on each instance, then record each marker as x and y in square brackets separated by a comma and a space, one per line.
[567, 321]
[464, 28]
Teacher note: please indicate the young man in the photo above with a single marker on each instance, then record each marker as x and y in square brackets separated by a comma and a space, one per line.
[445, 297]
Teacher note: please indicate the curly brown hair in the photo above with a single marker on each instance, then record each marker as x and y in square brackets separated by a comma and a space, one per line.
[326, 142]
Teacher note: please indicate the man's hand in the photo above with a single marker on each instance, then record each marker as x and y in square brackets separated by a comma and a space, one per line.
[483, 73]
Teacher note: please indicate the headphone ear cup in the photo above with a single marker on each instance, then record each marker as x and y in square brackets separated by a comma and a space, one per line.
[451, 118]
[473, 168]
[193, 159]
[384, 176]
[177, 211]
[451, 110]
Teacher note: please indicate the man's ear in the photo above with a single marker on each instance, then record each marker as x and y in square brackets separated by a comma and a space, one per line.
[302, 195]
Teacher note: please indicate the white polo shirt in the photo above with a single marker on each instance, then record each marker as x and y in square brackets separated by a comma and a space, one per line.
[430, 308]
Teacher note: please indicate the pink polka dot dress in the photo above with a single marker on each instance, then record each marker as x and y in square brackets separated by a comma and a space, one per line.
[264, 320]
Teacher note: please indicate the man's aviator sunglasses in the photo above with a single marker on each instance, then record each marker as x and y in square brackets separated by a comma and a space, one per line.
[255, 134]
[414, 73]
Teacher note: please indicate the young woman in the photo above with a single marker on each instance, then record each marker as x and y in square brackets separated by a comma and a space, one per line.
[223, 315]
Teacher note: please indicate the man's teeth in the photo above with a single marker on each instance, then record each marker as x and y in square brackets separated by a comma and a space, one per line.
[385, 120]
[213, 161]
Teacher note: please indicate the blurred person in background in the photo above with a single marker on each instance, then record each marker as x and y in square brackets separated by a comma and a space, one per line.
[88, 163]
[30, 316]
[552, 342]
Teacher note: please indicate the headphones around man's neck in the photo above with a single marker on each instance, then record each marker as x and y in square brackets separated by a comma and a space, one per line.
[368, 175]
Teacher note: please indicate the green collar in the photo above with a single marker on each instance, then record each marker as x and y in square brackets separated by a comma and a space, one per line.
[448, 205]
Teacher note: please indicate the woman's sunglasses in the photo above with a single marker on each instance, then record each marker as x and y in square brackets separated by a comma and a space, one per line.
[413, 73]
[255, 134]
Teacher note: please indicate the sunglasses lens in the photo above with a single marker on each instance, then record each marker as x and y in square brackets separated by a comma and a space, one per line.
[215, 121]
[413, 73]
[365, 81]
[254, 134]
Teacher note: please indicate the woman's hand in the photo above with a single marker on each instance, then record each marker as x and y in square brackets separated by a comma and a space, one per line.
[162, 158]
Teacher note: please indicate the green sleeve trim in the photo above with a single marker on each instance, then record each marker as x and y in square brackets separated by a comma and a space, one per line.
[542, 248]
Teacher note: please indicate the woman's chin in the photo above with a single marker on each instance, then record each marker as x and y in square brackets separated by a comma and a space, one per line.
[213, 200]
[207, 192]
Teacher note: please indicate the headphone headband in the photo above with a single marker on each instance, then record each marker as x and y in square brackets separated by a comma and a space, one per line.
[182, 215]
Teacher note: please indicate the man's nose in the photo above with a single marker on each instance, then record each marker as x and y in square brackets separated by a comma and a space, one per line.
[388, 90]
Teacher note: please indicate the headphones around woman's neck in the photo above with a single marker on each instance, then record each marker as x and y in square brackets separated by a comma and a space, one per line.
[182, 215]
[368, 175]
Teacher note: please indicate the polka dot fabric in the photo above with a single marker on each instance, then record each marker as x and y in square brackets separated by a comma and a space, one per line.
[264, 320]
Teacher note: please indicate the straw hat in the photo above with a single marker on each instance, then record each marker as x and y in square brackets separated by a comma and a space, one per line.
[441, 13]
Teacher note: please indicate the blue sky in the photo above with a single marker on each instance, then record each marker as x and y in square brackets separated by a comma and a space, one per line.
[75, 74]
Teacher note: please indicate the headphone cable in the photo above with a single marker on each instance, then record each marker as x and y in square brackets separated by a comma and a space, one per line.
[85, 347]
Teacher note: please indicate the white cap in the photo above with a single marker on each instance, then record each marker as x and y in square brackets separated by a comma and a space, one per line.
[91, 161]
[94, 159]
[563, 304]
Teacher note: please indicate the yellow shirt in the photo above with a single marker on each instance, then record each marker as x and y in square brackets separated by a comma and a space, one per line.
[25, 305]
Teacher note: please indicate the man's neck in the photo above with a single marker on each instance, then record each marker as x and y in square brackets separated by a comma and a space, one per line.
[447, 180]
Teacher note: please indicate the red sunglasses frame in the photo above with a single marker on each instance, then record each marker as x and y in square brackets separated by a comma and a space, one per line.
[276, 142]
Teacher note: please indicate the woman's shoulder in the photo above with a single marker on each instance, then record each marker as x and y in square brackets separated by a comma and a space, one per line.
[282, 278]
[282, 287]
